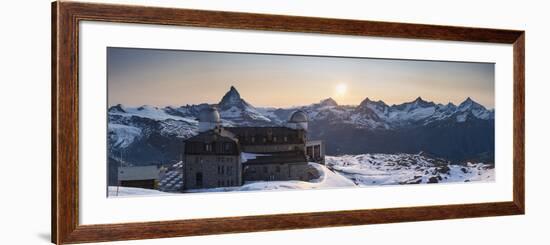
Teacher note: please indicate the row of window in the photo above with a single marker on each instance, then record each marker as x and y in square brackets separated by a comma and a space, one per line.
[208, 147]
[228, 170]
[265, 139]
[218, 159]
[313, 151]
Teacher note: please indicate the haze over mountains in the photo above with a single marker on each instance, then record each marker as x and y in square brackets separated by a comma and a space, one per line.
[149, 134]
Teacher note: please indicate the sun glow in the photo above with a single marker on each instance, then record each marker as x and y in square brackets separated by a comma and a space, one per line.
[341, 89]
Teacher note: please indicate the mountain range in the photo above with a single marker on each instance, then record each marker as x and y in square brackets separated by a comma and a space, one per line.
[148, 134]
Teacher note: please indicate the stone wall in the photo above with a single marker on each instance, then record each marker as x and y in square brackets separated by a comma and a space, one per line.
[272, 148]
[216, 171]
[283, 171]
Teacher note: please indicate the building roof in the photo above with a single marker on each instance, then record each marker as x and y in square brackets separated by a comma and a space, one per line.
[219, 134]
[245, 135]
[314, 142]
[221, 141]
[138, 173]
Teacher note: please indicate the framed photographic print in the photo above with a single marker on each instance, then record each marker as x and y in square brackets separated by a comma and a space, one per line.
[174, 122]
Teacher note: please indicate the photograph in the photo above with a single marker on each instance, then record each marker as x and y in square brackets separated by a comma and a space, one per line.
[193, 121]
[263, 122]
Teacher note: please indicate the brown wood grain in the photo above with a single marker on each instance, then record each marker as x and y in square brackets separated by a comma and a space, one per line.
[54, 123]
[519, 123]
[65, 109]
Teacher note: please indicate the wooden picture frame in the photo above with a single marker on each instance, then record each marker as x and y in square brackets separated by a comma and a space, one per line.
[65, 121]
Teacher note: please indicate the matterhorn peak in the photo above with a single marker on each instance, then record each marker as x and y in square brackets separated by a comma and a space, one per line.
[232, 98]
[233, 92]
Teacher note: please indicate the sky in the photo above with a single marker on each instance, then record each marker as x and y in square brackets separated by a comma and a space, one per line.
[138, 77]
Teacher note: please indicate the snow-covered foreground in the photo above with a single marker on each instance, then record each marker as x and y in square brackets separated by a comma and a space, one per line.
[115, 191]
[352, 171]
[390, 169]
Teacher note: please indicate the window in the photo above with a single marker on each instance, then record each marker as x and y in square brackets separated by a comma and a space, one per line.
[317, 151]
[309, 151]
[198, 179]
[253, 139]
[264, 139]
[208, 147]
[278, 169]
[223, 168]
[285, 139]
[226, 147]
[274, 138]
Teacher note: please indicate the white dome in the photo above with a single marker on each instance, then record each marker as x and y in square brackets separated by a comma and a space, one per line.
[298, 120]
[298, 117]
[209, 118]
[210, 115]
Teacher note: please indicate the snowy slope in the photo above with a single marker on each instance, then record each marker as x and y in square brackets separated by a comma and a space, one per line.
[115, 191]
[390, 169]
[147, 111]
[121, 136]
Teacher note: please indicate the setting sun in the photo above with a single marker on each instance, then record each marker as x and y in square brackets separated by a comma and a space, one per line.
[341, 89]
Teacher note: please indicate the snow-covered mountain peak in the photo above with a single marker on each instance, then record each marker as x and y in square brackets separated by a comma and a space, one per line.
[422, 103]
[147, 108]
[470, 104]
[414, 105]
[233, 99]
[117, 109]
[328, 102]
[367, 102]
[475, 109]
[450, 105]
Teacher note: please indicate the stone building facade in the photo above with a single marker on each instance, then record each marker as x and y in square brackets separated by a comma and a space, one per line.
[228, 156]
[212, 159]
